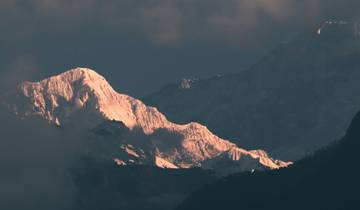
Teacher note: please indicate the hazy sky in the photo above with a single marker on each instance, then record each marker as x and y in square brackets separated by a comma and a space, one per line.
[141, 45]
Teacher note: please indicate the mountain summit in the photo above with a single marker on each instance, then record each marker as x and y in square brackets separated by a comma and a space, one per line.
[82, 96]
[83, 90]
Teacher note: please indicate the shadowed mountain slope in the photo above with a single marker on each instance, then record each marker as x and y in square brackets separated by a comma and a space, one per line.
[299, 97]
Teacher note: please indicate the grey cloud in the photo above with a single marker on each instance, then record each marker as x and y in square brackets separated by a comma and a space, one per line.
[142, 45]
[18, 70]
[163, 21]
[175, 20]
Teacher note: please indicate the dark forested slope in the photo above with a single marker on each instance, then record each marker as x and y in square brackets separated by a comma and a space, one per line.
[327, 180]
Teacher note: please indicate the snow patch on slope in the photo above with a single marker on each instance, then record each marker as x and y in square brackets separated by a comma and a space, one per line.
[82, 93]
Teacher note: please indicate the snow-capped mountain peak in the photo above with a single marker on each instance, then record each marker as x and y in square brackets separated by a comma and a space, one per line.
[84, 96]
[60, 96]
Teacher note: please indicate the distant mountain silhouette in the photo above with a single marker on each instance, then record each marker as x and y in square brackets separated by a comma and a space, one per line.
[327, 180]
[299, 97]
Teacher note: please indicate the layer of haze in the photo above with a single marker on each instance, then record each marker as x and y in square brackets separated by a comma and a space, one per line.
[142, 45]
[34, 161]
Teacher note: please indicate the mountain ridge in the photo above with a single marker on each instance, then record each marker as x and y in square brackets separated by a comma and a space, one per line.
[83, 96]
[305, 88]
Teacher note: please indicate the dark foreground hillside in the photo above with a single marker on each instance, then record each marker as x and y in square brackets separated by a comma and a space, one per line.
[327, 180]
[102, 185]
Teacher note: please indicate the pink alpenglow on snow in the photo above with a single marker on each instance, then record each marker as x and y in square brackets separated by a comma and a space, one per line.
[84, 96]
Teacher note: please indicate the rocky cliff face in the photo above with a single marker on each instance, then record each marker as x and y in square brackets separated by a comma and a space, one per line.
[82, 96]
